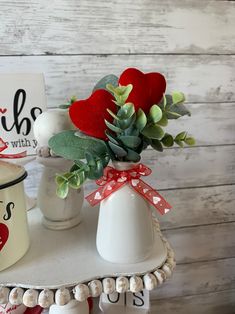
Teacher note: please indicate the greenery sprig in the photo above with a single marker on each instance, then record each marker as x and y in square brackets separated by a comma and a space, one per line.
[128, 134]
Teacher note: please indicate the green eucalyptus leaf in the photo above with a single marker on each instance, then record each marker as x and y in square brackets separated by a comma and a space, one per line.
[74, 181]
[63, 189]
[167, 140]
[126, 111]
[108, 79]
[141, 120]
[120, 93]
[190, 141]
[172, 115]
[112, 138]
[125, 124]
[169, 101]
[112, 127]
[78, 164]
[59, 179]
[113, 115]
[132, 156]
[117, 150]
[91, 161]
[70, 146]
[124, 91]
[153, 131]
[130, 141]
[155, 114]
[180, 143]
[157, 145]
[180, 109]
[105, 160]
[96, 171]
[181, 136]
[178, 97]
[164, 120]
[162, 103]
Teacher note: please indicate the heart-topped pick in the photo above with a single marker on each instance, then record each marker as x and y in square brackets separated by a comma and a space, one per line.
[148, 89]
[4, 234]
[88, 115]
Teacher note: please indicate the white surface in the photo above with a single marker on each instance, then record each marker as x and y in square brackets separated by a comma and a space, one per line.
[65, 258]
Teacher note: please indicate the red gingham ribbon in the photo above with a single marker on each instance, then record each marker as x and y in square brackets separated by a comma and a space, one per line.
[113, 180]
[4, 146]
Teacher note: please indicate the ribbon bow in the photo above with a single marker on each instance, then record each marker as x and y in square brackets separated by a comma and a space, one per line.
[113, 180]
[4, 146]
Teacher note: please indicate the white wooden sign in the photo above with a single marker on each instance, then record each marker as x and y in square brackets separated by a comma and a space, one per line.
[132, 302]
[22, 99]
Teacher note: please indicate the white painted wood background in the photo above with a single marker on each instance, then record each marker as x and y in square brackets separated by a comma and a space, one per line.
[74, 43]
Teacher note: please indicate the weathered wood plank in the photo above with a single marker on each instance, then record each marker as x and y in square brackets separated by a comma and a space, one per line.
[199, 206]
[195, 75]
[198, 278]
[222, 302]
[67, 27]
[210, 123]
[179, 168]
[203, 243]
[191, 167]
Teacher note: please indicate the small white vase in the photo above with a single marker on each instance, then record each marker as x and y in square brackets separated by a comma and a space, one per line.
[73, 307]
[58, 213]
[125, 226]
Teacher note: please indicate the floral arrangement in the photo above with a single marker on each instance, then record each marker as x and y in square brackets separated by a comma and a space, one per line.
[120, 119]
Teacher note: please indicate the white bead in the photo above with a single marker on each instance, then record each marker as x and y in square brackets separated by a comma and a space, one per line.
[46, 298]
[81, 292]
[136, 284]
[171, 253]
[95, 287]
[109, 285]
[16, 296]
[62, 296]
[122, 284]
[4, 295]
[30, 298]
[150, 282]
[167, 270]
[171, 261]
[160, 275]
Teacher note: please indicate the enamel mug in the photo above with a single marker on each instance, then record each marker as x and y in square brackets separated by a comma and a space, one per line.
[14, 236]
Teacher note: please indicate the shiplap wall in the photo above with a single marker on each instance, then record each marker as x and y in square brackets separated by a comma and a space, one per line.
[74, 43]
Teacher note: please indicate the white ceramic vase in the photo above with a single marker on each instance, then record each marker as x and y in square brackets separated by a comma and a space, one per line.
[58, 213]
[125, 226]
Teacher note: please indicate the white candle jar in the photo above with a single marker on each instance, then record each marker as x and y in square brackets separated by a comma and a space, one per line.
[14, 235]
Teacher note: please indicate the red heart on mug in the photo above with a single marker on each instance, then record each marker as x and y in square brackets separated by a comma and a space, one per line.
[4, 234]
[88, 115]
[148, 89]
[3, 110]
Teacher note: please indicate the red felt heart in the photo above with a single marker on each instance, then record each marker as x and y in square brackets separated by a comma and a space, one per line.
[3, 110]
[88, 115]
[148, 89]
[4, 234]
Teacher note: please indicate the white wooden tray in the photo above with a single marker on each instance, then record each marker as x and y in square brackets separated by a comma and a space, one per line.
[67, 259]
